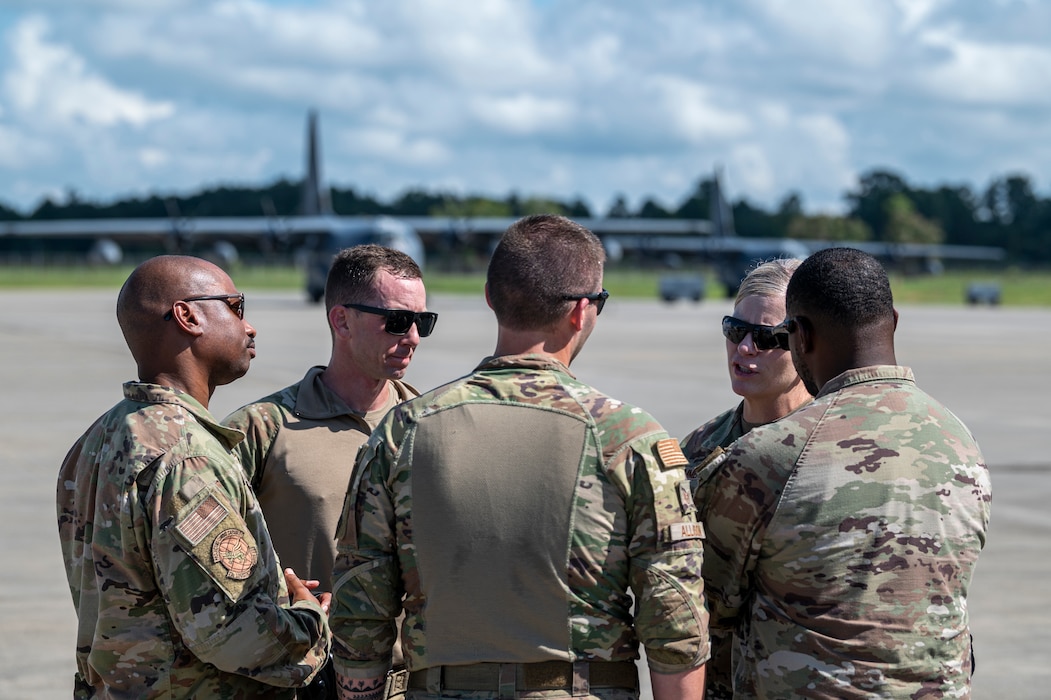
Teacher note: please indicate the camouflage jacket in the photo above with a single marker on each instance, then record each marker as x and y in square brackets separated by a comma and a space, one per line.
[841, 544]
[514, 508]
[176, 585]
[720, 431]
[298, 454]
[711, 438]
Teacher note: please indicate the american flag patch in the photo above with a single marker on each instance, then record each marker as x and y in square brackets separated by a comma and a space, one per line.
[202, 520]
[670, 453]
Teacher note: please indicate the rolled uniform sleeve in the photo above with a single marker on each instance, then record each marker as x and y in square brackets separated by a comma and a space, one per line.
[666, 554]
[367, 591]
[224, 591]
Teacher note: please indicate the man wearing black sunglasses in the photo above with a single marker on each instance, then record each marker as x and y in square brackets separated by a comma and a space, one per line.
[509, 512]
[177, 587]
[842, 538]
[302, 439]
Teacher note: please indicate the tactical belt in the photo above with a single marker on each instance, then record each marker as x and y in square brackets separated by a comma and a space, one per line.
[574, 677]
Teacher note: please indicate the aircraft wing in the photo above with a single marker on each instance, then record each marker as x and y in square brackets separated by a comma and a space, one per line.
[496, 225]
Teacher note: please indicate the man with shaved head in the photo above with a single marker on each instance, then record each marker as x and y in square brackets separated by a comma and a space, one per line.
[841, 539]
[177, 588]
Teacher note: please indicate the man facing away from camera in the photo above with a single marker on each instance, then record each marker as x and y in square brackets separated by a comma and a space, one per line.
[841, 539]
[513, 512]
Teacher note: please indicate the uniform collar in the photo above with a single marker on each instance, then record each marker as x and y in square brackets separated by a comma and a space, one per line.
[143, 392]
[528, 361]
[860, 375]
[315, 401]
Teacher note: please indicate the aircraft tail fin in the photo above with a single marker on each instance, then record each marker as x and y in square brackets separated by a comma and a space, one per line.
[315, 198]
[719, 211]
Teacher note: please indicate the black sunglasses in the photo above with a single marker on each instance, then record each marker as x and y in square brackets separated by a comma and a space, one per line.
[399, 321]
[764, 337]
[236, 302]
[598, 299]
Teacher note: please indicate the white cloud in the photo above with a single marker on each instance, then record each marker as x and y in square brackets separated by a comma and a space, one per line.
[989, 74]
[53, 83]
[591, 97]
[523, 114]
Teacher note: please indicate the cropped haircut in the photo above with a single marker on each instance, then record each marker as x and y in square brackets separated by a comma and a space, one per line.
[843, 286]
[539, 260]
[352, 277]
[768, 279]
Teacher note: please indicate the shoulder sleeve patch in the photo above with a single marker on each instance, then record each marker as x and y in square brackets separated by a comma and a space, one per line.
[213, 534]
[670, 454]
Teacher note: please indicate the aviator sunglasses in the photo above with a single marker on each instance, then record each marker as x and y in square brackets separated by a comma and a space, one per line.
[399, 321]
[764, 337]
[236, 302]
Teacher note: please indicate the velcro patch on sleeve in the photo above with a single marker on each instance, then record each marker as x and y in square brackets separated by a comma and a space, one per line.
[686, 498]
[202, 520]
[233, 551]
[678, 532]
[670, 454]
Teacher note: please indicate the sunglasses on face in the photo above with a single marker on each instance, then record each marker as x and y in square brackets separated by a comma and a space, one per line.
[598, 299]
[236, 302]
[399, 321]
[764, 337]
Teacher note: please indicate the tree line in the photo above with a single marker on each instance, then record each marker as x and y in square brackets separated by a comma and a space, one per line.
[883, 207]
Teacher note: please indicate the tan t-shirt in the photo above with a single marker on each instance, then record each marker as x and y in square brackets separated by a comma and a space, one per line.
[299, 453]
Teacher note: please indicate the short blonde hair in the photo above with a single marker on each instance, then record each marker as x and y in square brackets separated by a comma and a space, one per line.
[768, 279]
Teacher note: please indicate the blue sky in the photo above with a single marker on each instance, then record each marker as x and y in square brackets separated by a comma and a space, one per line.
[588, 98]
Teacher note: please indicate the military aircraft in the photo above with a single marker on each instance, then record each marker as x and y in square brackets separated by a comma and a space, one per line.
[317, 233]
[733, 256]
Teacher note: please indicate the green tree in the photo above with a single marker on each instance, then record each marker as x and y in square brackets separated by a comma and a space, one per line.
[826, 227]
[651, 209]
[473, 206]
[619, 209]
[905, 225]
[868, 201]
[696, 204]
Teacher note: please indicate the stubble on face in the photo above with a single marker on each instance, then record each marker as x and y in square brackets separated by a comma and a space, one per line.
[376, 353]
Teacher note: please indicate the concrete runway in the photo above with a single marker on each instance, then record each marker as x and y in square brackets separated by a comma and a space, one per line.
[64, 361]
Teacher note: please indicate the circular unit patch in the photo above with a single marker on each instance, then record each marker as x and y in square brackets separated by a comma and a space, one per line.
[232, 551]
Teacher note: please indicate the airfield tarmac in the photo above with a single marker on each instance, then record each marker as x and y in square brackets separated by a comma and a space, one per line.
[64, 361]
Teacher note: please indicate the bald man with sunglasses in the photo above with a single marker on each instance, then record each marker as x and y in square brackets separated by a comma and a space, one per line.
[178, 590]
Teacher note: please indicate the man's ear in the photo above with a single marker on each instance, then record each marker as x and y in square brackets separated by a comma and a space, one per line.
[187, 318]
[578, 315]
[805, 329]
[487, 300]
[337, 320]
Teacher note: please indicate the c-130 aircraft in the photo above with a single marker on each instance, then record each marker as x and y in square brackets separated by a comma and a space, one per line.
[318, 233]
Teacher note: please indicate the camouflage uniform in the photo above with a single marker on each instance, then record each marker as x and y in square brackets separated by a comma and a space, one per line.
[177, 588]
[514, 508]
[720, 431]
[841, 544]
[713, 437]
[298, 454]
